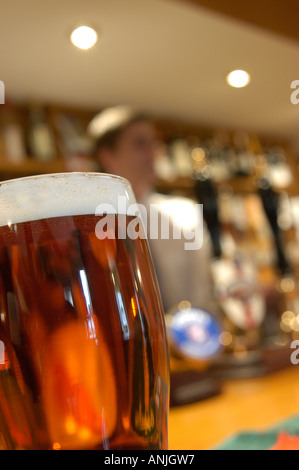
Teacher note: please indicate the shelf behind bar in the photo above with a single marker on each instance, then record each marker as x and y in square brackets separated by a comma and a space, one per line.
[29, 167]
[238, 184]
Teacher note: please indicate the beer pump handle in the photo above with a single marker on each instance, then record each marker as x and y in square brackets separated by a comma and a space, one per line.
[206, 195]
[270, 201]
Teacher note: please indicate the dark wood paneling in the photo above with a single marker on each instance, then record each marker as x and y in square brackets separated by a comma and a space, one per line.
[276, 16]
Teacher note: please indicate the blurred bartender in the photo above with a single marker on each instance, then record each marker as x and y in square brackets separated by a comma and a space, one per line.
[126, 145]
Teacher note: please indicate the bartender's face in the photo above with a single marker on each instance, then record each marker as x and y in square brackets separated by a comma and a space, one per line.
[134, 153]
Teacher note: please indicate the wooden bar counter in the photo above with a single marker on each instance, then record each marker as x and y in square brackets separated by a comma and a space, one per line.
[251, 404]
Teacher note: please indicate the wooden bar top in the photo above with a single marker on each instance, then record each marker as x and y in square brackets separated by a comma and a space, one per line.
[249, 404]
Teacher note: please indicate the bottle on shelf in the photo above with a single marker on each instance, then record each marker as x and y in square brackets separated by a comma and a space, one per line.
[244, 155]
[12, 135]
[180, 155]
[40, 137]
[279, 172]
[164, 168]
[75, 145]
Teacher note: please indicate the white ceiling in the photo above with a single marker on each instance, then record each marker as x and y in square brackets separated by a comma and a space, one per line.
[163, 56]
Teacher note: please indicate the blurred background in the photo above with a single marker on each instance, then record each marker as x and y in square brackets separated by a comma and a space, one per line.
[233, 147]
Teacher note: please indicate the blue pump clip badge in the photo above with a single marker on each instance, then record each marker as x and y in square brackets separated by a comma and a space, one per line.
[194, 333]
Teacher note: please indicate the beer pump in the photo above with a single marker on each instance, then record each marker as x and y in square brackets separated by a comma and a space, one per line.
[252, 336]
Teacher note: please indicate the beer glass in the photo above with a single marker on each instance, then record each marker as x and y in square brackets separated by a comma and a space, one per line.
[85, 355]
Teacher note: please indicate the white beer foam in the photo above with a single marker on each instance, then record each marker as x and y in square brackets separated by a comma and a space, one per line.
[61, 194]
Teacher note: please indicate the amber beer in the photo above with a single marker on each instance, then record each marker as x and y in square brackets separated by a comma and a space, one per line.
[86, 358]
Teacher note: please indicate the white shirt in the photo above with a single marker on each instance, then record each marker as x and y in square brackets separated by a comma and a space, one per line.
[182, 274]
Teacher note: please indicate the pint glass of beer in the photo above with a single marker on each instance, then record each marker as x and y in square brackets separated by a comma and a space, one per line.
[85, 357]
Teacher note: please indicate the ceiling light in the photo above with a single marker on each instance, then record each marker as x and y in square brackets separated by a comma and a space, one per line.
[238, 78]
[84, 37]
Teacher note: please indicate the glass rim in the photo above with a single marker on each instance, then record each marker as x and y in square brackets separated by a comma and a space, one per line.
[63, 194]
[65, 174]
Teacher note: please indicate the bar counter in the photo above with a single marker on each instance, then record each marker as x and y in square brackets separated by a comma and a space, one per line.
[244, 405]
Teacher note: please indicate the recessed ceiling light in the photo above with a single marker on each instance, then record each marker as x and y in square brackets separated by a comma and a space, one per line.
[238, 78]
[84, 37]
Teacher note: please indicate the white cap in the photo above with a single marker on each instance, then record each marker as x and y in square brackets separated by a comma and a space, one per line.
[110, 119]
